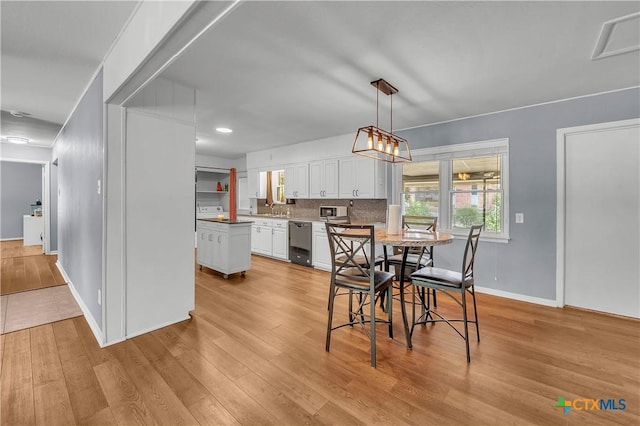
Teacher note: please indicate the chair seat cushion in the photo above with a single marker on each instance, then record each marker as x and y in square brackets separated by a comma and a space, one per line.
[353, 279]
[412, 260]
[444, 277]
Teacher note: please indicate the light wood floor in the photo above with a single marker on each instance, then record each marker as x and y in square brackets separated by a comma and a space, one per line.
[26, 268]
[16, 248]
[253, 353]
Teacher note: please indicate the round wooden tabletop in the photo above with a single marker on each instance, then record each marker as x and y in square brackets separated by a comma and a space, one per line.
[413, 238]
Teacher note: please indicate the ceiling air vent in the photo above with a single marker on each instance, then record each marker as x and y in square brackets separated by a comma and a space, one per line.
[618, 36]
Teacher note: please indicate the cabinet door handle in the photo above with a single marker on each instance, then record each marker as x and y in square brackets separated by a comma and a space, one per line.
[357, 192]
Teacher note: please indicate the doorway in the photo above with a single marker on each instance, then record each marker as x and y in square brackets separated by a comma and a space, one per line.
[14, 178]
[598, 231]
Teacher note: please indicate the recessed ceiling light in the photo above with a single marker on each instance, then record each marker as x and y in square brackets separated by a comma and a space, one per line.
[17, 139]
[223, 130]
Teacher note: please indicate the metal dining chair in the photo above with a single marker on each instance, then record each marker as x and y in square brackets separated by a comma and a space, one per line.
[362, 259]
[454, 284]
[418, 257]
[348, 245]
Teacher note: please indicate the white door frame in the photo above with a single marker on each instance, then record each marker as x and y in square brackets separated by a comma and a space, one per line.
[561, 137]
[46, 198]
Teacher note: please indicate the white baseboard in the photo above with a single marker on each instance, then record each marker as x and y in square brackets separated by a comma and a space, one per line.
[11, 239]
[516, 296]
[52, 252]
[156, 327]
[93, 325]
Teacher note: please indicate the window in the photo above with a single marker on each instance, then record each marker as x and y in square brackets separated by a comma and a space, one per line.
[277, 186]
[471, 180]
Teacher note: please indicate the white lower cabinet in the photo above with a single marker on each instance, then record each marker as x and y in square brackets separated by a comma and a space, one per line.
[224, 247]
[280, 240]
[261, 239]
[320, 247]
[270, 237]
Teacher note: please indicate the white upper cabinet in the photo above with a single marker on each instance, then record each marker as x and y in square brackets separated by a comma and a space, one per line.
[296, 180]
[256, 183]
[323, 179]
[253, 183]
[362, 177]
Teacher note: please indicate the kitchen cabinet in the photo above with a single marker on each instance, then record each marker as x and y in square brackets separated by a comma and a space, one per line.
[261, 239]
[224, 247]
[320, 247]
[280, 241]
[362, 177]
[323, 179]
[32, 230]
[270, 237]
[256, 183]
[252, 183]
[296, 180]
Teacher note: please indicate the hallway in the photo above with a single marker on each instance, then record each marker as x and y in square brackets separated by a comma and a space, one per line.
[33, 292]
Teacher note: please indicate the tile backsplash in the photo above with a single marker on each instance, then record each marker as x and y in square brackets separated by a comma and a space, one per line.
[361, 211]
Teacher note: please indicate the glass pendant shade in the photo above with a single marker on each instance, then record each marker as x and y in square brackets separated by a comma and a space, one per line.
[370, 139]
[390, 148]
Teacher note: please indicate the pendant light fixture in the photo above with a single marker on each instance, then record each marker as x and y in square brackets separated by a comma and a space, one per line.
[373, 142]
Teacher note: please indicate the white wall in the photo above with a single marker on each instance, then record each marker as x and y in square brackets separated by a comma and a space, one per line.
[223, 163]
[159, 222]
[114, 238]
[148, 25]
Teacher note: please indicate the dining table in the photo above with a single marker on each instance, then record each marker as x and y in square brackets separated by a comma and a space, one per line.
[407, 239]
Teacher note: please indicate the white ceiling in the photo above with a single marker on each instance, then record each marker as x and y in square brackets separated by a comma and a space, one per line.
[50, 51]
[284, 72]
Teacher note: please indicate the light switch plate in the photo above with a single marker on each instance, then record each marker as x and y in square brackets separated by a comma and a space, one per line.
[519, 217]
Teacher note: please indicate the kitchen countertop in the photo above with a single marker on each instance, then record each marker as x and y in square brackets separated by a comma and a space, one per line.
[269, 216]
[307, 219]
[227, 221]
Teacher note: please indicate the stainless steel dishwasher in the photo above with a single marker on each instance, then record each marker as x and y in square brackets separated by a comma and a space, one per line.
[300, 242]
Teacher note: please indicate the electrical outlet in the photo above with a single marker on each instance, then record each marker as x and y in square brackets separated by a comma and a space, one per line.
[519, 217]
[99, 297]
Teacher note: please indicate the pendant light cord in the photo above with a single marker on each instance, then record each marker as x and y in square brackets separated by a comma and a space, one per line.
[377, 107]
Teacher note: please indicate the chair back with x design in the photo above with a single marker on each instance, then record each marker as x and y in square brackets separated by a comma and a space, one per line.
[352, 246]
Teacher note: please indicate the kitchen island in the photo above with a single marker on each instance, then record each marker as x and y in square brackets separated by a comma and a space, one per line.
[224, 245]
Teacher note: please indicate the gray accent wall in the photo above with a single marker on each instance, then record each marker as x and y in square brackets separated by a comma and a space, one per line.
[526, 265]
[80, 154]
[20, 186]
